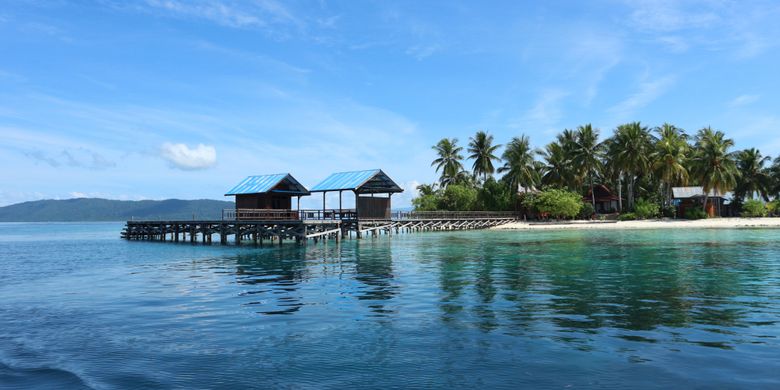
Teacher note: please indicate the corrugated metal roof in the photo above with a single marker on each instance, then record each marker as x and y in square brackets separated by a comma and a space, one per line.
[345, 180]
[265, 183]
[357, 180]
[690, 192]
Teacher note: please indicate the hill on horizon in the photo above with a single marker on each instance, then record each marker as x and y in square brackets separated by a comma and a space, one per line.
[98, 209]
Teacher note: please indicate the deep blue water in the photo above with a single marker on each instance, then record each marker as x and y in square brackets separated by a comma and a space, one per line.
[80, 308]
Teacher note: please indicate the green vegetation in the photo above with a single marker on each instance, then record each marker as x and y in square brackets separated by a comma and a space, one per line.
[554, 203]
[695, 213]
[639, 164]
[92, 209]
[754, 208]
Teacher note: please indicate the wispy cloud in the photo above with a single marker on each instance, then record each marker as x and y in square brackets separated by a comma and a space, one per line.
[72, 157]
[647, 92]
[268, 15]
[183, 157]
[743, 100]
[547, 110]
[670, 15]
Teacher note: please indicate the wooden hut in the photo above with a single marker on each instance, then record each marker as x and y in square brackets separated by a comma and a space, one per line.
[686, 198]
[606, 201]
[267, 197]
[372, 188]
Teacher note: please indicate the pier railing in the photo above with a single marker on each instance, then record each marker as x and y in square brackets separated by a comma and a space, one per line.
[259, 215]
[453, 215]
[287, 215]
[340, 215]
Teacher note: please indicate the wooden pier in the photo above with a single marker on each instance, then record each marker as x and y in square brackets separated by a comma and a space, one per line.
[260, 227]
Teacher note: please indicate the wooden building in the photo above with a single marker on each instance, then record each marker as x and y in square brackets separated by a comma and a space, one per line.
[686, 198]
[267, 197]
[606, 201]
[373, 190]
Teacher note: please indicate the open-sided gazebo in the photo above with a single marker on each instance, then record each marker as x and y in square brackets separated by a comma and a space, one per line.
[267, 196]
[365, 185]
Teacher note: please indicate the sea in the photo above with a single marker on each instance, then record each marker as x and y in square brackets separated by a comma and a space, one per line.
[81, 308]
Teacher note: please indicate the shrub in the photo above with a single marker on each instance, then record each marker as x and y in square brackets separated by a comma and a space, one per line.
[426, 202]
[773, 207]
[555, 203]
[458, 197]
[495, 196]
[645, 209]
[587, 211]
[754, 208]
[695, 213]
[626, 217]
[669, 212]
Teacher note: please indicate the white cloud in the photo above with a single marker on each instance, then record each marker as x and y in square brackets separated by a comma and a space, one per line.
[648, 92]
[260, 14]
[669, 15]
[743, 100]
[547, 109]
[183, 157]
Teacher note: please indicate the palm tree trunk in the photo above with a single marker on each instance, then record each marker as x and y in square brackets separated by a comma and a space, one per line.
[620, 192]
[592, 193]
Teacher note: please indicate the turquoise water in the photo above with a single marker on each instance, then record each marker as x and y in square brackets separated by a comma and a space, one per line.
[80, 308]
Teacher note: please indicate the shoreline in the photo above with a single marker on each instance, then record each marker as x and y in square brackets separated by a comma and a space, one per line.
[713, 223]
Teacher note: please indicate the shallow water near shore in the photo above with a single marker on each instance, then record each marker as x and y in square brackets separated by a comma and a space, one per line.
[81, 308]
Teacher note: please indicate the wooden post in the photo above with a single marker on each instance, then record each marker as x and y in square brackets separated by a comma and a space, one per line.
[222, 234]
[340, 204]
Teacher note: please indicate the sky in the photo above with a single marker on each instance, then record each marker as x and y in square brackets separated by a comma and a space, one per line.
[184, 98]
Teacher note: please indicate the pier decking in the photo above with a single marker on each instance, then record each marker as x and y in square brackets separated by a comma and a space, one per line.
[259, 227]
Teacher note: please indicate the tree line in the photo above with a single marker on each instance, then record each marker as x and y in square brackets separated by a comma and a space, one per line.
[636, 161]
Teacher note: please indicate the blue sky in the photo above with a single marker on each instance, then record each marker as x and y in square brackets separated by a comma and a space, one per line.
[159, 99]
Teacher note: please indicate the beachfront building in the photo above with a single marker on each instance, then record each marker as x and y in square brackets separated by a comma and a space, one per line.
[686, 198]
[373, 190]
[606, 201]
[267, 197]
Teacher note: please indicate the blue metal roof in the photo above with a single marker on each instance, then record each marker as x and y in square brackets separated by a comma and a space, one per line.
[355, 180]
[267, 183]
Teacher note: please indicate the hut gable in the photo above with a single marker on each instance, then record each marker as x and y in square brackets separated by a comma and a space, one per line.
[362, 182]
[279, 183]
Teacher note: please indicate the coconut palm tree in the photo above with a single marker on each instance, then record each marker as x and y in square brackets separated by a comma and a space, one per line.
[556, 169]
[482, 152]
[713, 165]
[587, 155]
[774, 174]
[670, 158]
[754, 178]
[448, 160]
[630, 151]
[519, 167]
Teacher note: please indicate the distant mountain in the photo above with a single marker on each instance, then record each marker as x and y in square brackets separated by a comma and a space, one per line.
[95, 209]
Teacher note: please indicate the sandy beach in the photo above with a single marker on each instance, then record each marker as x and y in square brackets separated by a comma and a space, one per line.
[715, 223]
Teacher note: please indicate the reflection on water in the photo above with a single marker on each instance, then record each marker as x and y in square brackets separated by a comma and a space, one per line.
[568, 287]
[472, 308]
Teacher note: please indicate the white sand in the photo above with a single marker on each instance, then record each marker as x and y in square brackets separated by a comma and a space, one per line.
[714, 223]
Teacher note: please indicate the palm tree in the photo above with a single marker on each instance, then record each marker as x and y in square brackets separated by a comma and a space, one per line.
[556, 170]
[587, 155]
[754, 177]
[519, 168]
[426, 189]
[774, 174]
[630, 154]
[482, 152]
[448, 161]
[670, 158]
[713, 165]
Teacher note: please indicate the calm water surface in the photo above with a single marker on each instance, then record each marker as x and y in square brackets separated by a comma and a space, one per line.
[80, 308]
